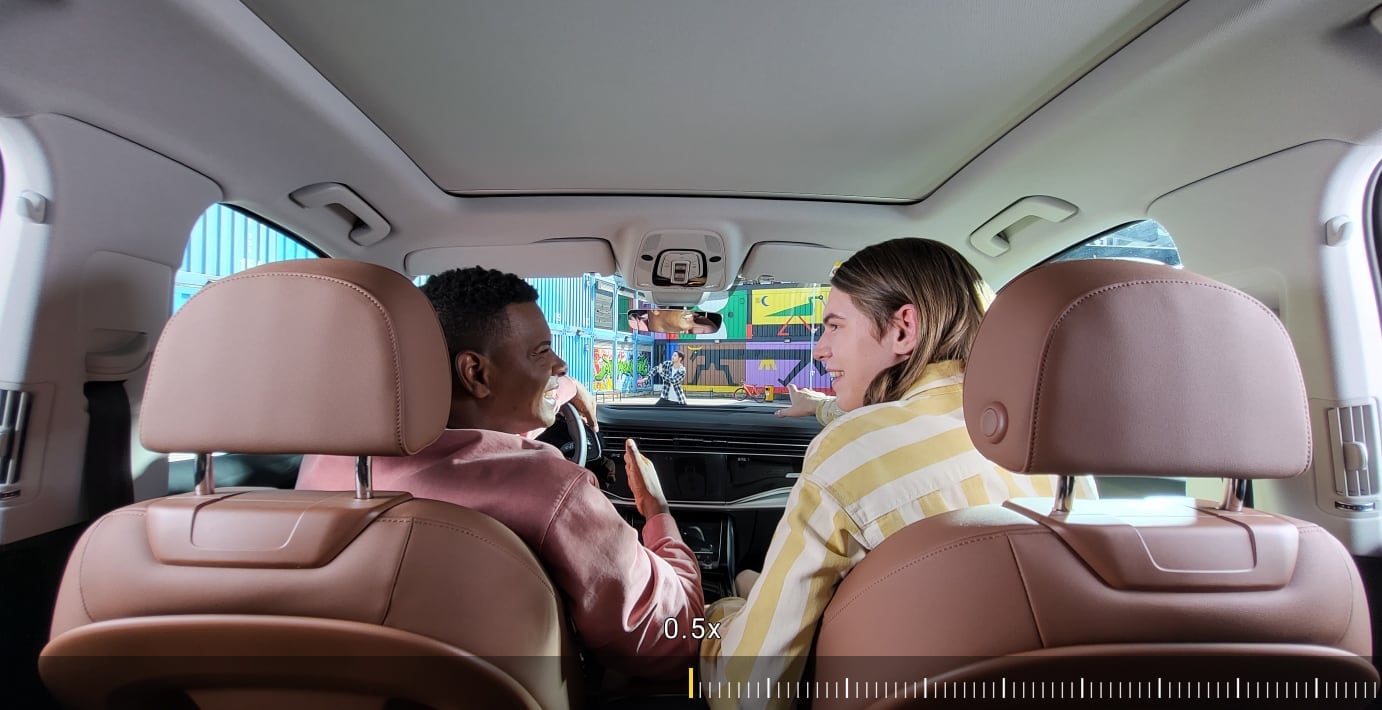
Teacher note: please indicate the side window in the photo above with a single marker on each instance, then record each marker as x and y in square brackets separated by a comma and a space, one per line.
[1150, 242]
[226, 240]
[1139, 241]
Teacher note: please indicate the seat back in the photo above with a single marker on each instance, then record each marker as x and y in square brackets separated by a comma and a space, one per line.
[1115, 368]
[283, 598]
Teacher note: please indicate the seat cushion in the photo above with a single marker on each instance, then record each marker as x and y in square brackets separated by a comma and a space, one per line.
[422, 566]
[970, 585]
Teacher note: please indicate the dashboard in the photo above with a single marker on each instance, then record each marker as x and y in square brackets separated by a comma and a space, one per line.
[720, 457]
[726, 470]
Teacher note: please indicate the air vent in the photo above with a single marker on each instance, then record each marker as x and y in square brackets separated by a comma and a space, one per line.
[664, 442]
[1353, 435]
[14, 418]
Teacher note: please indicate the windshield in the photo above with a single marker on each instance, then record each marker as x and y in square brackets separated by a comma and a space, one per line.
[764, 341]
[763, 336]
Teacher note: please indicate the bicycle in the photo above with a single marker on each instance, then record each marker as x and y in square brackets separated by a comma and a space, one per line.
[748, 391]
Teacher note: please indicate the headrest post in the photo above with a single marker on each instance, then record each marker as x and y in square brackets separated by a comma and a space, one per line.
[1065, 495]
[205, 483]
[1235, 493]
[364, 478]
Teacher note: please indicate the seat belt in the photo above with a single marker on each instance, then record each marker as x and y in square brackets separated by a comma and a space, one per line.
[107, 482]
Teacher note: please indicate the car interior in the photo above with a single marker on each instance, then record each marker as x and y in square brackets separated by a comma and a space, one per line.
[1175, 201]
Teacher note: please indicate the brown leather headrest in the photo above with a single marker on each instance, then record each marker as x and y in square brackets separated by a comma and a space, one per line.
[1125, 368]
[320, 356]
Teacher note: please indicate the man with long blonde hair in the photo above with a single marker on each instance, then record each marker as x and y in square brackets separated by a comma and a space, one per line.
[899, 322]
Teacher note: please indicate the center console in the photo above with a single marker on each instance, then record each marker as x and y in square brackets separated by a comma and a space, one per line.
[711, 538]
[725, 537]
[726, 471]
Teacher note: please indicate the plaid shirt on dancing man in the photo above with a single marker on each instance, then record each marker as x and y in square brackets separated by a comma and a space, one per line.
[672, 377]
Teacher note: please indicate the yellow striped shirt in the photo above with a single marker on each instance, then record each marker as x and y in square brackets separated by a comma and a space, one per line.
[868, 474]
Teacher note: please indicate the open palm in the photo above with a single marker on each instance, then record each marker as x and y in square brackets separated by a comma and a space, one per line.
[643, 481]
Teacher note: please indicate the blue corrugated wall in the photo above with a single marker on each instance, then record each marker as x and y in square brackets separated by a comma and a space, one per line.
[224, 241]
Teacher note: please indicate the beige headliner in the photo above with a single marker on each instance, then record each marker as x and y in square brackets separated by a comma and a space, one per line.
[1215, 84]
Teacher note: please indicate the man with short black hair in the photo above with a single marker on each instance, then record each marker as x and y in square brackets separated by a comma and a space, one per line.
[620, 592]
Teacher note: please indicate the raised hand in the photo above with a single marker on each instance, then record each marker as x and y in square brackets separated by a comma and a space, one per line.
[804, 403]
[584, 402]
[643, 482]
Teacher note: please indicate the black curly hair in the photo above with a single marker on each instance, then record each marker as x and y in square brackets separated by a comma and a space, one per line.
[470, 304]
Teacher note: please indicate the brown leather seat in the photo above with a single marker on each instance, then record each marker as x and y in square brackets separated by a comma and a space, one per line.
[273, 598]
[1115, 368]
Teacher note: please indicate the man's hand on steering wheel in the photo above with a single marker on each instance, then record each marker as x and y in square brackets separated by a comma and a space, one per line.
[584, 402]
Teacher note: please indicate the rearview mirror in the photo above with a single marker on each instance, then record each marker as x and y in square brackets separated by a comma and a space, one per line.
[674, 320]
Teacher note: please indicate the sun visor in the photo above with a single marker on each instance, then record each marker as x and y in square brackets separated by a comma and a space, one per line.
[792, 261]
[550, 257]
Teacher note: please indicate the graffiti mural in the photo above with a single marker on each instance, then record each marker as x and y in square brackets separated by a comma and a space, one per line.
[604, 366]
[785, 306]
[724, 367]
[771, 313]
[642, 366]
[624, 368]
[793, 312]
[769, 333]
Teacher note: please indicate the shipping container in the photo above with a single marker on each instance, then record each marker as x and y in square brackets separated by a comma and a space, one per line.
[567, 303]
[736, 314]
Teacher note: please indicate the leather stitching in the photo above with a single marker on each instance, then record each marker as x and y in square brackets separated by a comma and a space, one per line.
[397, 574]
[388, 326]
[465, 531]
[1027, 591]
[86, 545]
[928, 556]
[1349, 571]
[1055, 325]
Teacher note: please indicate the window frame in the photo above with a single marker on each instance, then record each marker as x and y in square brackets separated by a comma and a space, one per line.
[250, 214]
[198, 280]
[1064, 254]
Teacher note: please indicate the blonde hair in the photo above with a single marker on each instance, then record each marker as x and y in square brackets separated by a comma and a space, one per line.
[948, 292]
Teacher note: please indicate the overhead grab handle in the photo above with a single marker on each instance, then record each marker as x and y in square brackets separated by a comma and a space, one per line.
[112, 354]
[368, 226]
[993, 238]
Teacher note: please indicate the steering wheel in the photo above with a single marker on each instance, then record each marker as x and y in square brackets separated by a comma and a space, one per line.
[572, 437]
